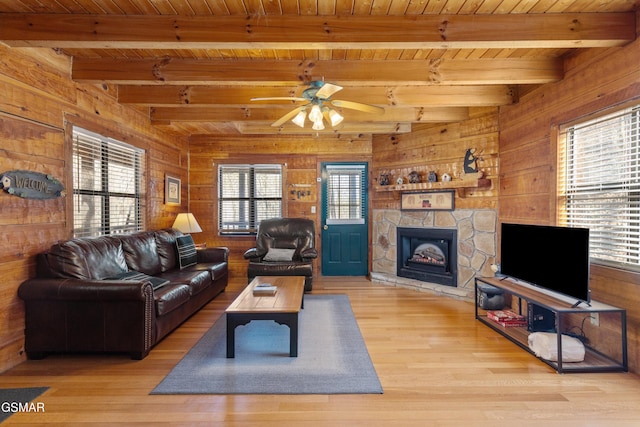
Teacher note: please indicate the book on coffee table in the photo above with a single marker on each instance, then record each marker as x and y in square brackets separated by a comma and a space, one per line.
[265, 289]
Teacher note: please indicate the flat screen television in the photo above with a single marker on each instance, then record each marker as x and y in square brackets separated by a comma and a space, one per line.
[554, 258]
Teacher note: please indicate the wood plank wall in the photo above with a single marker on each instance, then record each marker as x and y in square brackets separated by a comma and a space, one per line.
[439, 148]
[595, 80]
[38, 103]
[302, 158]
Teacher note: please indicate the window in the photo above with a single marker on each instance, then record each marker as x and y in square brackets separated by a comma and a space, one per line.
[247, 194]
[346, 194]
[602, 185]
[107, 186]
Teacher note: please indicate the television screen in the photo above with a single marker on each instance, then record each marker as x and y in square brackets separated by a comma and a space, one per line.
[555, 258]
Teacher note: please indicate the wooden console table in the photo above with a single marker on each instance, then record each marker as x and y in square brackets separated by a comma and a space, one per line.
[597, 358]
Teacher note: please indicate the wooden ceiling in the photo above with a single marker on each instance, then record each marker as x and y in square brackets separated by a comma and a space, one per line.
[194, 65]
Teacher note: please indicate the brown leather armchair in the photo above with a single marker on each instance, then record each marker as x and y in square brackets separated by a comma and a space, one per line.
[284, 247]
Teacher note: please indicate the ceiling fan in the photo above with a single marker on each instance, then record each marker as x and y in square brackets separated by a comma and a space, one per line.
[316, 96]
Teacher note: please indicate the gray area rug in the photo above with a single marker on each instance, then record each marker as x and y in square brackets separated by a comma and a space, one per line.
[332, 357]
[10, 398]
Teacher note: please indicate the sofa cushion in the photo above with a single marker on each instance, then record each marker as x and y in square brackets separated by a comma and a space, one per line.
[166, 243]
[196, 278]
[141, 252]
[187, 255]
[136, 276]
[95, 258]
[170, 297]
[216, 269]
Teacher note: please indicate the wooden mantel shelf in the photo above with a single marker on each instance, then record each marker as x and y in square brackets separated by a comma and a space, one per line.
[474, 180]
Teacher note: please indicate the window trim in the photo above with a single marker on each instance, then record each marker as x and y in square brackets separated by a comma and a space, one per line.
[563, 136]
[282, 198]
[139, 193]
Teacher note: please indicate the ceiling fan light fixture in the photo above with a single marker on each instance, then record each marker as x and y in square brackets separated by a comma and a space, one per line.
[318, 125]
[335, 117]
[315, 114]
[299, 118]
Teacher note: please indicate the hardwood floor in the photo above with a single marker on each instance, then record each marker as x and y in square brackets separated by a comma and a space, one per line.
[437, 364]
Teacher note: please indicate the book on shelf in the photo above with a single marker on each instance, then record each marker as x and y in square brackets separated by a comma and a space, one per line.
[511, 323]
[507, 318]
[265, 289]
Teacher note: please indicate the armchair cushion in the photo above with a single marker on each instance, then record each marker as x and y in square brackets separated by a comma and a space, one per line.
[276, 254]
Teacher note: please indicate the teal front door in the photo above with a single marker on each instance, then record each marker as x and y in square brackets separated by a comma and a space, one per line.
[345, 229]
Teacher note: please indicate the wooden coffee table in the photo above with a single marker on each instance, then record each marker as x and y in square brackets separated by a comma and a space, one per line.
[282, 307]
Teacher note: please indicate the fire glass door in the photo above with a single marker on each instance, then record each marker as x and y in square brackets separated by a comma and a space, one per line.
[345, 234]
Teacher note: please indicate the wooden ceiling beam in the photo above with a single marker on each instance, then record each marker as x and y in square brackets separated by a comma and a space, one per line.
[384, 96]
[256, 128]
[553, 30]
[341, 72]
[395, 114]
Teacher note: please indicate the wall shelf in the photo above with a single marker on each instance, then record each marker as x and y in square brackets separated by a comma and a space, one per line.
[473, 180]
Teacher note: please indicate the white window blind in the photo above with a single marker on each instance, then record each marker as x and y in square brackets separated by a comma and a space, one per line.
[107, 186]
[602, 185]
[346, 194]
[247, 194]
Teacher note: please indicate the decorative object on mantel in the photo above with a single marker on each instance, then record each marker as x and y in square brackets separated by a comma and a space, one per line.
[171, 190]
[400, 181]
[446, 177]
[432, 177]
[414, 178]
[384, 179]
[470, 161]
[428, 201]
[31, 185]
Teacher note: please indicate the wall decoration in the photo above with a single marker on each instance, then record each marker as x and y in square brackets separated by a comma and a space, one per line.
[414, 178]
[171, 190]
[470, 164]
[428, 201]
[31, 185]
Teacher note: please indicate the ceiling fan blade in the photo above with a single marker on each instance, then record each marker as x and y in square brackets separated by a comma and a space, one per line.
[327, 90]
[291, 114]
[357, 106]
[281, 98]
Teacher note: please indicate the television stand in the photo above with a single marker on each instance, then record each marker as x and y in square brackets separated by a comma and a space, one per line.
[602, 327]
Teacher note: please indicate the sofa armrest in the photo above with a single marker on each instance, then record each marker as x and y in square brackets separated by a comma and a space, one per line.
[212, 255]
[310, 253]
[252, 254]
[84, 290]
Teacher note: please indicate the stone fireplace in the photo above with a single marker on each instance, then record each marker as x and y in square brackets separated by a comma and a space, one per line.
[428, 254]
[471, 255]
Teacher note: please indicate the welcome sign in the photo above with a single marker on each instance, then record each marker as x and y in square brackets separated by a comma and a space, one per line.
[31, 185]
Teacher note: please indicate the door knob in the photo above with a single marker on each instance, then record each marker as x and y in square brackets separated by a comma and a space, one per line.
[325, 227]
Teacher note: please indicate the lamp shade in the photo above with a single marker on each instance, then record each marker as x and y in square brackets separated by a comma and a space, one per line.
[186, 223]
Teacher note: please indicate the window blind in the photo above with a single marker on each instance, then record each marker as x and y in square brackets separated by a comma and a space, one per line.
[346, 194]
[107, 186]
[602, 185]
[247, 194]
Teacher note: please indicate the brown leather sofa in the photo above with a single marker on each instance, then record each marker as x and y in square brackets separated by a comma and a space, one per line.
[284, 247]
[119, 293]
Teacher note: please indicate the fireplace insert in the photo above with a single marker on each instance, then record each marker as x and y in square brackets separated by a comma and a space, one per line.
[428, 254]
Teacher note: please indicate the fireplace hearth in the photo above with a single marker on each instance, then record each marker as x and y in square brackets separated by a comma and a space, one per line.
[428, 254]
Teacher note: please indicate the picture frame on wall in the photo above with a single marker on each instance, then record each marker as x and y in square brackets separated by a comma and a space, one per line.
[428, 201]
[171, 190]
